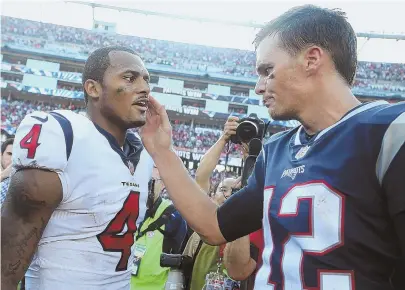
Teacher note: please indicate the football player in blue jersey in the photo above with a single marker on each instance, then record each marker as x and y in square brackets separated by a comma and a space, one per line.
[329, 194]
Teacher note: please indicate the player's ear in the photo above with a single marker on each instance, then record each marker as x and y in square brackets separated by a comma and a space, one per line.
[312, 58]
[93, 89]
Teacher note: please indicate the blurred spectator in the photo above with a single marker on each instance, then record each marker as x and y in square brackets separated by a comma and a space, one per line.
[13, 111]
[197, 138]
[163, 230]
[6, 158]
[381, 71]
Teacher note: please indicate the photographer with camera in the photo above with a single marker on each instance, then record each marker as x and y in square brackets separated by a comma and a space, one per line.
[210, 262]
[162, 231]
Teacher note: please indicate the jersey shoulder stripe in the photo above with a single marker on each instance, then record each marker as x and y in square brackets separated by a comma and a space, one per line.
[278, 135]
[67, 131]
[392, 117]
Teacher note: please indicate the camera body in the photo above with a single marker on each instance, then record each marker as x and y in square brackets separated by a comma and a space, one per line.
[176, 261]
[249, 127]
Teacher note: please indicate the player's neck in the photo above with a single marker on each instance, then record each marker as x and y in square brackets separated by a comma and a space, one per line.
[117, 132]
[330, 106]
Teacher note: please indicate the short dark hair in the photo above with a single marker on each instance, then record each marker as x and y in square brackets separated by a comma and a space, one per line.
[97, 64]
[307, 25]
[9, 141]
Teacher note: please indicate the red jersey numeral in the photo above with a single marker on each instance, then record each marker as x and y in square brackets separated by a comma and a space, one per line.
[113, 240]
[322, 234]
[30, 141]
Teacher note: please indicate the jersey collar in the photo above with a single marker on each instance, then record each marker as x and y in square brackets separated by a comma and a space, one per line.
[132, 146]
[357, 110]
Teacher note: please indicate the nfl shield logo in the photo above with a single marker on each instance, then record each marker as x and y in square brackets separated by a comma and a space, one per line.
[301, 153]
[131, 167]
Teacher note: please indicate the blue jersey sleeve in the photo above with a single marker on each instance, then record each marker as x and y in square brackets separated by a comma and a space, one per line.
[390, 167]
[394, 183]
[394, 188]
[242, 213]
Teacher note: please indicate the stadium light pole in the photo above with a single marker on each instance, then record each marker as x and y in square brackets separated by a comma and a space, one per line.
[368, 35]
[167, 15]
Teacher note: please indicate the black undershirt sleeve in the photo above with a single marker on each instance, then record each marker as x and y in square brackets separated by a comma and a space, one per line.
[242, 213]
[394, 187]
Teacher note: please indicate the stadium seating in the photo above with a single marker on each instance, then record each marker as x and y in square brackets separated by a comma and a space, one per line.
[234, 62]
[198, 139]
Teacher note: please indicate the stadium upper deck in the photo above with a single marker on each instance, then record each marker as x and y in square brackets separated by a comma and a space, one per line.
[229, 62]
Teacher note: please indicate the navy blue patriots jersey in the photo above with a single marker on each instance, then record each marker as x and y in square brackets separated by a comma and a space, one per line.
[327, 203]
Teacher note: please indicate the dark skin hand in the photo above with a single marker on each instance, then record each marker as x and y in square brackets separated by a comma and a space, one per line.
[32, 197]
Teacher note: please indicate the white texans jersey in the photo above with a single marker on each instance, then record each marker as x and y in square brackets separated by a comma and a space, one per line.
[88, 242]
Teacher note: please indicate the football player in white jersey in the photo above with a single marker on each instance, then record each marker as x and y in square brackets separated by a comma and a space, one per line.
[80, 184]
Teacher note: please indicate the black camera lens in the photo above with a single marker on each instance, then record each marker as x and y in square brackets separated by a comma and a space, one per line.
[170, 260]
[247, 130]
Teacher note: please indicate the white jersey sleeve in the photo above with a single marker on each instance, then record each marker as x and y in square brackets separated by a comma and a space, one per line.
[44, 141]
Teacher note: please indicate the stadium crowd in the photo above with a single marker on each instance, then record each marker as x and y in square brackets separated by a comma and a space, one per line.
[197, 138]
[13, 111]
[177, 55]
[185, 137]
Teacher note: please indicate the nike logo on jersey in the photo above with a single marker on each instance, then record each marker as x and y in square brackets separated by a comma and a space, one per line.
[293, 172]
[43, 120]
[302, 152]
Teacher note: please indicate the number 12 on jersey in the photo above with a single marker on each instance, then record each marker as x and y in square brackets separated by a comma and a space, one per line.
[325, 233]
[113, 240]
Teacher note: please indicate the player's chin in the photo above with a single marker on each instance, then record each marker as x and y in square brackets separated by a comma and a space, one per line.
[279, 114]
[137, 121]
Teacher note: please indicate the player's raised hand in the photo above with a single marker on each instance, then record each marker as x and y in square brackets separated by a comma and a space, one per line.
[156, 134]
[230, 127]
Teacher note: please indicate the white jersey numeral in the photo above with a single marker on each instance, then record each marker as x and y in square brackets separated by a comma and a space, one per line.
[325, 218]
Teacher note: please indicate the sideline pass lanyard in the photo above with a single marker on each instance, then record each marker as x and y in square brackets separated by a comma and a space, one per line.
[221, 256]
[217, 280]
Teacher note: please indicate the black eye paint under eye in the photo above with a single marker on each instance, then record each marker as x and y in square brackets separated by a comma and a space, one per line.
[120, 90]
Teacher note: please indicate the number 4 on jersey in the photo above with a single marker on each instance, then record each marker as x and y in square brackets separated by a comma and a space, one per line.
[113, 240]
[30, 141]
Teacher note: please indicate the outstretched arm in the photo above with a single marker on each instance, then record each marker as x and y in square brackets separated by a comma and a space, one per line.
[211, 157]
[189, 199]
[32, 197]
[214, 226]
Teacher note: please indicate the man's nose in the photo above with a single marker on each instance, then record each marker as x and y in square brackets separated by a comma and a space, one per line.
[260, 86]
[145, 89]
